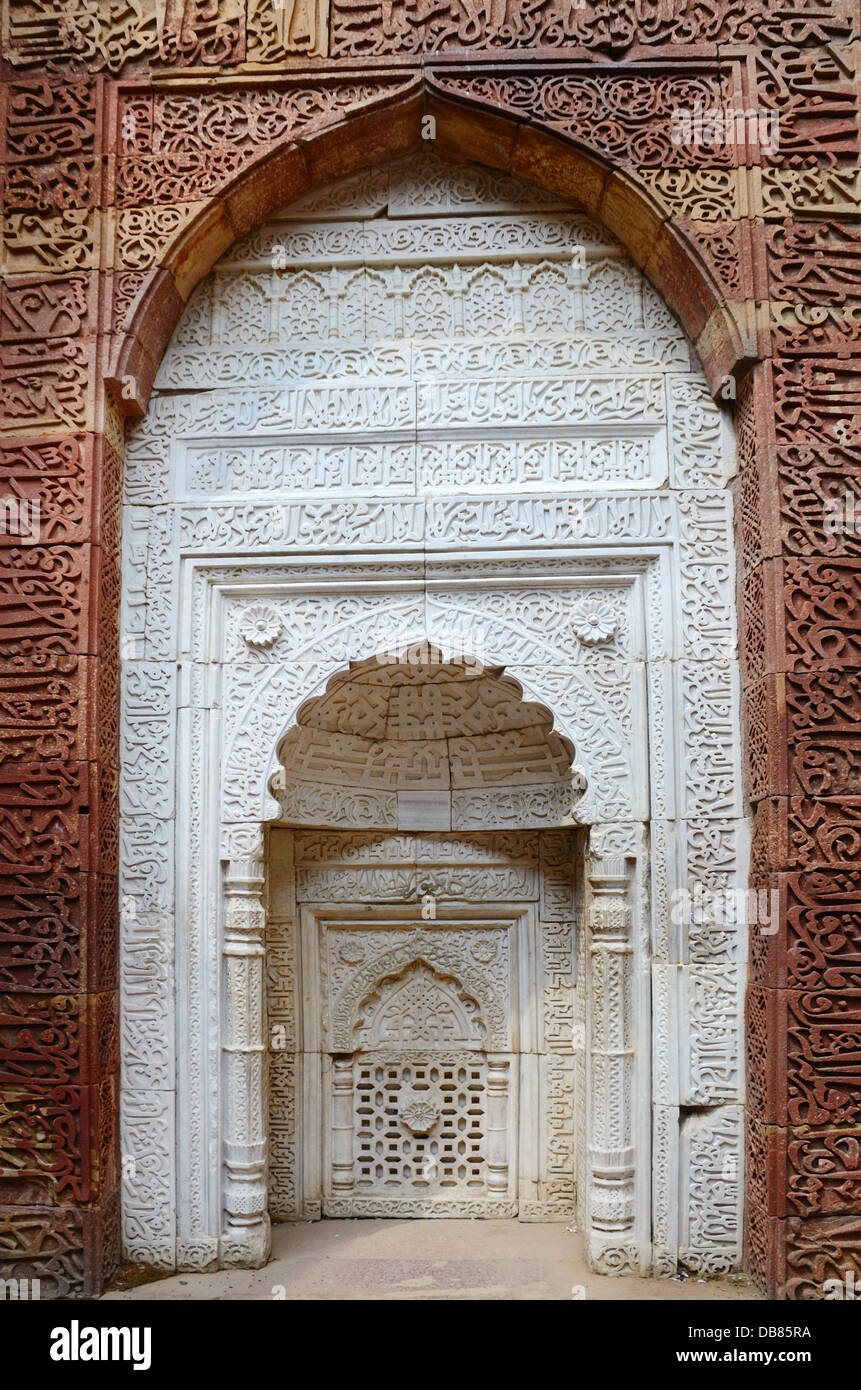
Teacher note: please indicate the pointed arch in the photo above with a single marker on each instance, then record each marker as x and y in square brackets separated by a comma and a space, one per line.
[481, 129]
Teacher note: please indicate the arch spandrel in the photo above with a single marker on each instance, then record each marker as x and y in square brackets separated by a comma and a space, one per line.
[253, 768]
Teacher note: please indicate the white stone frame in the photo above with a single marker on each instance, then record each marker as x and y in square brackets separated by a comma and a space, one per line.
[208, 973]
[526, 882]
[617, 1243]
[246, 1241]
[198, 755]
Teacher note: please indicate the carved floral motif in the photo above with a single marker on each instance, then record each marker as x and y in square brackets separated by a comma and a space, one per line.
[595, 623]
[419, 1115]
[260, 626]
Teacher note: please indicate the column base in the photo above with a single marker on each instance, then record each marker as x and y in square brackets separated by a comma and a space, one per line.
[614, 1257]
[246, 1247]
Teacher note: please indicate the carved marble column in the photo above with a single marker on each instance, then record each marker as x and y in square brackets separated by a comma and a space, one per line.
[498, 1070]
[610, 1192]
[343, 1126]
[246, 1227]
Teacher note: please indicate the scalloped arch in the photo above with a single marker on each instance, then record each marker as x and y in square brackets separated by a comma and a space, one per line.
[393, 962]
[390, 988]
[258, 759]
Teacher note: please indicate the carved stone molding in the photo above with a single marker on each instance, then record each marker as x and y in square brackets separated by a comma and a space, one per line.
[273, 514]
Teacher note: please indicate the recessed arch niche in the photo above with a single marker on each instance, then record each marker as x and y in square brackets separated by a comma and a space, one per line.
[549, 495]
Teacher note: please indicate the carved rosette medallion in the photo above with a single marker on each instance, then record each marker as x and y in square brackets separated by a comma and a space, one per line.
[260, 626]
[419, 1113]
[595, 622]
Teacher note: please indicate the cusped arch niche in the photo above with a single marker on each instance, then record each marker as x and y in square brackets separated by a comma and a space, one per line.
[475, 988]
[422, 1008]
[425, 743]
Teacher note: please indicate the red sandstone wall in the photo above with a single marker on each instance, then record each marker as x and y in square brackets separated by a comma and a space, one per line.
[134, 151]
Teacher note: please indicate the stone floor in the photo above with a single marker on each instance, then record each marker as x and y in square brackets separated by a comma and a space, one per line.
[459, 1260]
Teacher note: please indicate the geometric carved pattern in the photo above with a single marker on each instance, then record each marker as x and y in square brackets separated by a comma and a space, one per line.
[376, 397]
[418, 1010]
[413, 1108]
[759, 263]
[420, 1124]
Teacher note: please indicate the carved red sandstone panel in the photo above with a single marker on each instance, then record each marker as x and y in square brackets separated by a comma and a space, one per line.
[813, 93]
[818, 398]
[823, 1172]
[58, 1143]
[824, 731]
[50, 134]
[823, 612]
[804, 1056]
[196, 143]
[624, 119]
[804, 1172]
[818, 1250]
[365, 27]
[67, 1039]
[202, 31]
[820, 499]
[210, 33]
[72, 1253]
[814, 263]
[799, 832]
[819, 946]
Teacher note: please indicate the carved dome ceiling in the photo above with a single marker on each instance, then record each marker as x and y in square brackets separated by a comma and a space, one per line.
[422, 733]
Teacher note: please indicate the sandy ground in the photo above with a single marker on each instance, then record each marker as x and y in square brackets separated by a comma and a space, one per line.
[414, 1260]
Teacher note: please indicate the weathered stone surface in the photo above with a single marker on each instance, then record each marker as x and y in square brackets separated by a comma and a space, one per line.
[119, 197]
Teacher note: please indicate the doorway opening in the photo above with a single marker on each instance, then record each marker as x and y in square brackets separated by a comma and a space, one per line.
[432, 971]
